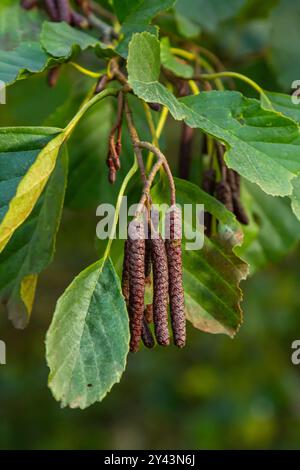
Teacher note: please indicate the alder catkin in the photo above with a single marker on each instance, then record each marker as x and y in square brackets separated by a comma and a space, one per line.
[28, 4]
[53, 76]
[176, 293]
[224, 195]
[238, 209]
[208, 185]
[149, 313]
[148, 262]
[160, 290]
[125, 274]
[64, 10]
[136, 249]
[147, 336]
[52, 10]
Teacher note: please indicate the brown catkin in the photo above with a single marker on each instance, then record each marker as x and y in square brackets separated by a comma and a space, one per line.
[147, 336]
[125, 274]
[28, 4]
[52, 10]
[208, 185]
[149, 313]
[136, 249]
[176, 293]
[148, 263]
[224, 195]
[235, 183]
[64, 10]
[53, 76]
[160, 290]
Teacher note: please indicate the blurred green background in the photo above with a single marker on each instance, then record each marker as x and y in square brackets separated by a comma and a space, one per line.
[217, 392]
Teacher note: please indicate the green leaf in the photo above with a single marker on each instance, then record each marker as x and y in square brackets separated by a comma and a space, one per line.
[143, 67]
[263, 145]
[88, 340]
[26, 59]
[61, 40]
[284, 54]
[124, 8]
[138, 20]
[212, 274]
[273, 231]
[169, 61]
[27, 159]
[18, 26]
[31, 248]
[209, 13]
[284, 104]
[187, 28]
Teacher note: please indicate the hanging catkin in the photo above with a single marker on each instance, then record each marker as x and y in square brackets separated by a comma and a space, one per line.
[160, 290]
[125, 274]
[148, 262]
[176, 294]
[238, 209]
[224, 195]
[136, 249]
[147, 336]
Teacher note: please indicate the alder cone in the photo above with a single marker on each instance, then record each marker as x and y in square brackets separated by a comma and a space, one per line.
[160, 291]
[136, 249]
[176, 293]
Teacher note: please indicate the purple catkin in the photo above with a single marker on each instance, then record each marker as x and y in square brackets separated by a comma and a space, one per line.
[176, 293]
[52, 10]
[160, 290]
[64, 10]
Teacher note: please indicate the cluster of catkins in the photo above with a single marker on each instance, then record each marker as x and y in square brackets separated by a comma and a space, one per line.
[60, 10]
[143, 254]
[227, 191]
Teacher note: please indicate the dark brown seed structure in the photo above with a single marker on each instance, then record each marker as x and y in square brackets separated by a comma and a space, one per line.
[136, 249]
[147, 336]
[224, 195]
[176, 293]
[64, 10]
[160, 290]
[125, 274]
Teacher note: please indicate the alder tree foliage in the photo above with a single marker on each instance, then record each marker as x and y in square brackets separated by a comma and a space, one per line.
[148, 69]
